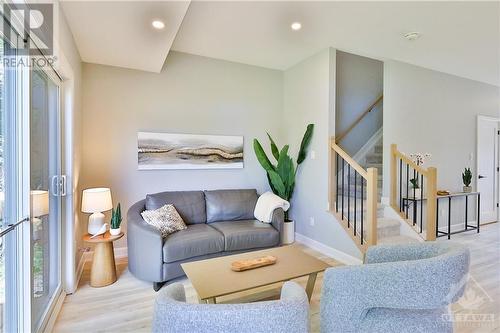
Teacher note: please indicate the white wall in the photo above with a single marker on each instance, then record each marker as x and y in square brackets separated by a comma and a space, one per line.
[191, 95]
[69, 66]
[309, 98]
[429, 111]
[359, 82]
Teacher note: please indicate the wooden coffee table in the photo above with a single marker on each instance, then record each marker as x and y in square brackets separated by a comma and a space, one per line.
[214, 278]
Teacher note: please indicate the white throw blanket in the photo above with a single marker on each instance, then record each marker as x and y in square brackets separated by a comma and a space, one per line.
[266, 204]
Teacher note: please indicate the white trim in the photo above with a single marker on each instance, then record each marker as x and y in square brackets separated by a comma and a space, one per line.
[49, 327]
[327, 250]
[497, 178]
[369, 145]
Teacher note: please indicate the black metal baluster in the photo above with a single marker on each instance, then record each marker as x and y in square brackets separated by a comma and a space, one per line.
[421, 202]
[337, 182]
[400, 185]
[449, 217]
[343, 166]
[348, 195]
[407, 189]
[355, 197]
[362, 199]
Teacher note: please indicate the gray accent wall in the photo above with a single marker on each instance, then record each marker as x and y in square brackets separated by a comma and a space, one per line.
[193, 95]
[309, 97]
[359, 82]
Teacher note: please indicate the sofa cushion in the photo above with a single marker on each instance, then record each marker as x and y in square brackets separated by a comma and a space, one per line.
[196, 240]
[230, 205]
[247, 234]
[189, 204]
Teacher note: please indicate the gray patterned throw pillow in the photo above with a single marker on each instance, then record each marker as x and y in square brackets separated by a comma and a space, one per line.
[166, 219]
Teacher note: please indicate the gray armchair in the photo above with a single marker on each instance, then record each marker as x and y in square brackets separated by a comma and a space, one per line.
[290, 314]
[402, 288]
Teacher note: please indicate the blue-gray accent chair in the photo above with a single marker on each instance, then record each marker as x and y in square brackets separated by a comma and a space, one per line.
[290, 314]
[400, 288]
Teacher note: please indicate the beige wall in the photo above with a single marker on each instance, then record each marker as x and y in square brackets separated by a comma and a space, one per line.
[194, 95]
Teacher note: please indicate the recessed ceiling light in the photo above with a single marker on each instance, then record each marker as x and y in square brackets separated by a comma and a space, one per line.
[157, 24]
[412, 35]
[296, 26]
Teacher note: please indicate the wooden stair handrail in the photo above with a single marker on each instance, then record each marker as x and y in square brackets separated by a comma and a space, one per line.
[430, 192]
[371, 177]
[368, 110]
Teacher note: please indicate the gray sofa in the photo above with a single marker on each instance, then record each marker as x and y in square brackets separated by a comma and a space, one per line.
[290, 314]
[219, 222]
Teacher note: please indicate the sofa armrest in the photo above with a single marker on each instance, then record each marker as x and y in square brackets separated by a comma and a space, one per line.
[278, 220]
[145, 246]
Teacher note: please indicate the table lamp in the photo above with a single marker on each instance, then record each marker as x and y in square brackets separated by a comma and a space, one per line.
[96, 201]
[39, 203]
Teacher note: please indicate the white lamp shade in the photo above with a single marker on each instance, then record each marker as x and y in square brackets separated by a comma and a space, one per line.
[39, 203]
[96, 200]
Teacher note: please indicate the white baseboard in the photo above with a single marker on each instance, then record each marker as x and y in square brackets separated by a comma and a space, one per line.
[327, 250]
[49, 327]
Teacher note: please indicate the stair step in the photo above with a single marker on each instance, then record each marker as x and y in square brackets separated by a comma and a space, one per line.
[374, 158]
[387, 227]
[397, 240]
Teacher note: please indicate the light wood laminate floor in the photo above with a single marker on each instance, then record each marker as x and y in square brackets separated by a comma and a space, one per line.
[127, 305]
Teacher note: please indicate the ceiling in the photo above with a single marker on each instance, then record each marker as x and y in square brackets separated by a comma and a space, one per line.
[460, 38]
[119, 33]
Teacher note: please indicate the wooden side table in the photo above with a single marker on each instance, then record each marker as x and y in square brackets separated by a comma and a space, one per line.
[103, 272]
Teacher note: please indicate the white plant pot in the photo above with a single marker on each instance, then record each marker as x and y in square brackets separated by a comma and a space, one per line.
[288, 235]
[418, 193]
[115, 232]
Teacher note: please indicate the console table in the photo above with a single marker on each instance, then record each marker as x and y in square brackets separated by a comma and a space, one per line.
[467, 227]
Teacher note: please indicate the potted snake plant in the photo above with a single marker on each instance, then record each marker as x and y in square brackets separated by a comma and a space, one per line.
[281, 176]
[467, 179]
[116, 221]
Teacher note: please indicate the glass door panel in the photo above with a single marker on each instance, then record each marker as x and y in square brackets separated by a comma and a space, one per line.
[11, 222]
[45, 168]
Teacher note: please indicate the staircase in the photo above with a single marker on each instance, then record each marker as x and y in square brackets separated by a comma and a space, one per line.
[352, 199]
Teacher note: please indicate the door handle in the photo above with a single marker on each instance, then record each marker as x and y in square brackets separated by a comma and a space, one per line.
[63, 185]
[55, 185]
[481, 177]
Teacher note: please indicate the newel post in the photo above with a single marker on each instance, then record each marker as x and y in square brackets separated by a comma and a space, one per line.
[332, 174]
[431, 195]
[393, 176]
[371, 205]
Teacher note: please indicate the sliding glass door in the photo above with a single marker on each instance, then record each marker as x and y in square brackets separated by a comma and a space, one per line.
[31, 191]
[45, 194]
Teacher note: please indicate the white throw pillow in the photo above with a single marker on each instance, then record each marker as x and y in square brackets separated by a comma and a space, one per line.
[166, 219]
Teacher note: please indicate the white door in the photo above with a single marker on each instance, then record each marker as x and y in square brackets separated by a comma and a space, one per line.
[487, 164]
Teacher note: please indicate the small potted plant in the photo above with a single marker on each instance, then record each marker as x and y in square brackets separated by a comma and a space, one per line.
[467, 179]
[415, 188]
[116, 221]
